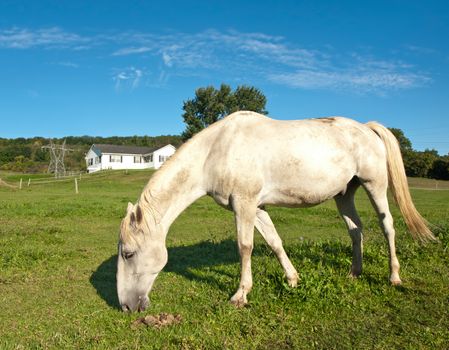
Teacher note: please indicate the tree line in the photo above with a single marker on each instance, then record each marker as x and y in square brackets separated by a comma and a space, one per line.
[26, 154]
[207, 106]
[427, 163]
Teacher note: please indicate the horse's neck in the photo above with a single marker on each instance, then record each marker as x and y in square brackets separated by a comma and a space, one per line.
[171, 190]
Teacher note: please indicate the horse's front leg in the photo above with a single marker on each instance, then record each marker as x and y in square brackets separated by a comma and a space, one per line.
[245, 214]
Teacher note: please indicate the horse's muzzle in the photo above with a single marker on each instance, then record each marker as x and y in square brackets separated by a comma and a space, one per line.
[141, 305]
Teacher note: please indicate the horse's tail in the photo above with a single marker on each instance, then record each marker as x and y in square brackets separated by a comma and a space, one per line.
[397, 180]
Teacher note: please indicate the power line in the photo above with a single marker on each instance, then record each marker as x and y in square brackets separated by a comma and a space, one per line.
[57, 153]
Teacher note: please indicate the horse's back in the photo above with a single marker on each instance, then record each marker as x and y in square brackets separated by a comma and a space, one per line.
[290, 162]
[252, 138]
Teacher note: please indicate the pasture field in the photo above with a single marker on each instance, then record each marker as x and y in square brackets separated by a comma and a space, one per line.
[57, 276]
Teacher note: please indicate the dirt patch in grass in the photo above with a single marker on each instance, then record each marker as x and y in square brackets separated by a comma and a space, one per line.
[5, 184]
[158, 321]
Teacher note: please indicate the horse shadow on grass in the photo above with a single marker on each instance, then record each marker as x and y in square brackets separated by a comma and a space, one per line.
[197, 261]
[182, 260]
[104, 281]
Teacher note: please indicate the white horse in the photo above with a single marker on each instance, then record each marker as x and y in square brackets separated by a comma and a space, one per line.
[246, 161]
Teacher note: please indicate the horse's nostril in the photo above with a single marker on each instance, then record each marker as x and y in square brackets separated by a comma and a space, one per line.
[143, 304]
[125, 308]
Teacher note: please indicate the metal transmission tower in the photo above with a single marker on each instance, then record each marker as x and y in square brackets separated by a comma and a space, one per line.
[57, 153]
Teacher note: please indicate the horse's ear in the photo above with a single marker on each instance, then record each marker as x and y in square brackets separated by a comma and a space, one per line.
[129, 211]
[138, 214]
[132, 218]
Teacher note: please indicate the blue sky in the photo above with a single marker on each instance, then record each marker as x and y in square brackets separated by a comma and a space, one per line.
[125, 67]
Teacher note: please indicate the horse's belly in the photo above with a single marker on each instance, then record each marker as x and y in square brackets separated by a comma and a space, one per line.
[302, 196]
[292, 198]
[306, 181]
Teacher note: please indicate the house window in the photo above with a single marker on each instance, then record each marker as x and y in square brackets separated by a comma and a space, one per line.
[90, 161]
[115, 159]
[148, 159]
[137, 159]
[97, 160]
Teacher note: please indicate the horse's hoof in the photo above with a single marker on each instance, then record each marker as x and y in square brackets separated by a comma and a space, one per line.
[354, 274]
[239, 301]
[396, 282]
[293, 281]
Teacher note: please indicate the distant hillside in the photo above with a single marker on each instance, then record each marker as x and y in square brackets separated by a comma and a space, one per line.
[26, 154]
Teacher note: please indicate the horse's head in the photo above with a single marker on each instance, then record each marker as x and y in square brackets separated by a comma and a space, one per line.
[141, 256]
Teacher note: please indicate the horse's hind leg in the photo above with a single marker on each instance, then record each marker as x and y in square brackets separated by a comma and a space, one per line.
[377, 192]
[245, 214]
[346, 207]
[266, 228]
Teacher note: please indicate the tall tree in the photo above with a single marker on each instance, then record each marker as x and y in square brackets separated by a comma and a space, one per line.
[419, 164]
[440, 169]
[404, 143]
[248, 98]
[210, 105]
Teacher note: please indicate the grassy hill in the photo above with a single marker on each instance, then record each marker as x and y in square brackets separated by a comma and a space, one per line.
[57, 275]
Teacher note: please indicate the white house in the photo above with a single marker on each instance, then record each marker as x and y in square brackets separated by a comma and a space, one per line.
[102, 156]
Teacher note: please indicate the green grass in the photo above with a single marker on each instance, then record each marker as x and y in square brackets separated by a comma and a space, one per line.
[57, 276]
[419, 182]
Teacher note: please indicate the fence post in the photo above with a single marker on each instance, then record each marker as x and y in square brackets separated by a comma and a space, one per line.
[20, 185]
[76, 185]
[29, 182]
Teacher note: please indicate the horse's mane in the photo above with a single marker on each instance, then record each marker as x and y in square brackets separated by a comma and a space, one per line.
[149, 200]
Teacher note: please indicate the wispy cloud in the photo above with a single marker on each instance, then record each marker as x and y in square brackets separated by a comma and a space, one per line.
[361, 74]
[131, 51]
[259, 56]
[128, 78]
[362, 81]
[420, 49]
[67, 64]
[23, 38]
[234, 55]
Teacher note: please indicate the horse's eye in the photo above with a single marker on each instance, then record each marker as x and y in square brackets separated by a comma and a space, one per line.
[128, 255]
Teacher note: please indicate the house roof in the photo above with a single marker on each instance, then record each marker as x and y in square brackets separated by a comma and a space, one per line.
[105, 148]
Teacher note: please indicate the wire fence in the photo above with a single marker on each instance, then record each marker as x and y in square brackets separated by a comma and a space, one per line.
[75, 177]
[417, 184]
[55, 180]
[24, 182]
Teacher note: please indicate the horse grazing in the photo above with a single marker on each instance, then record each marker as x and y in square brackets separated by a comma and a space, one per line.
[247, 161]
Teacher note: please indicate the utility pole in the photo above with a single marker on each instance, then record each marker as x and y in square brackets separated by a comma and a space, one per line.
[57, 153]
